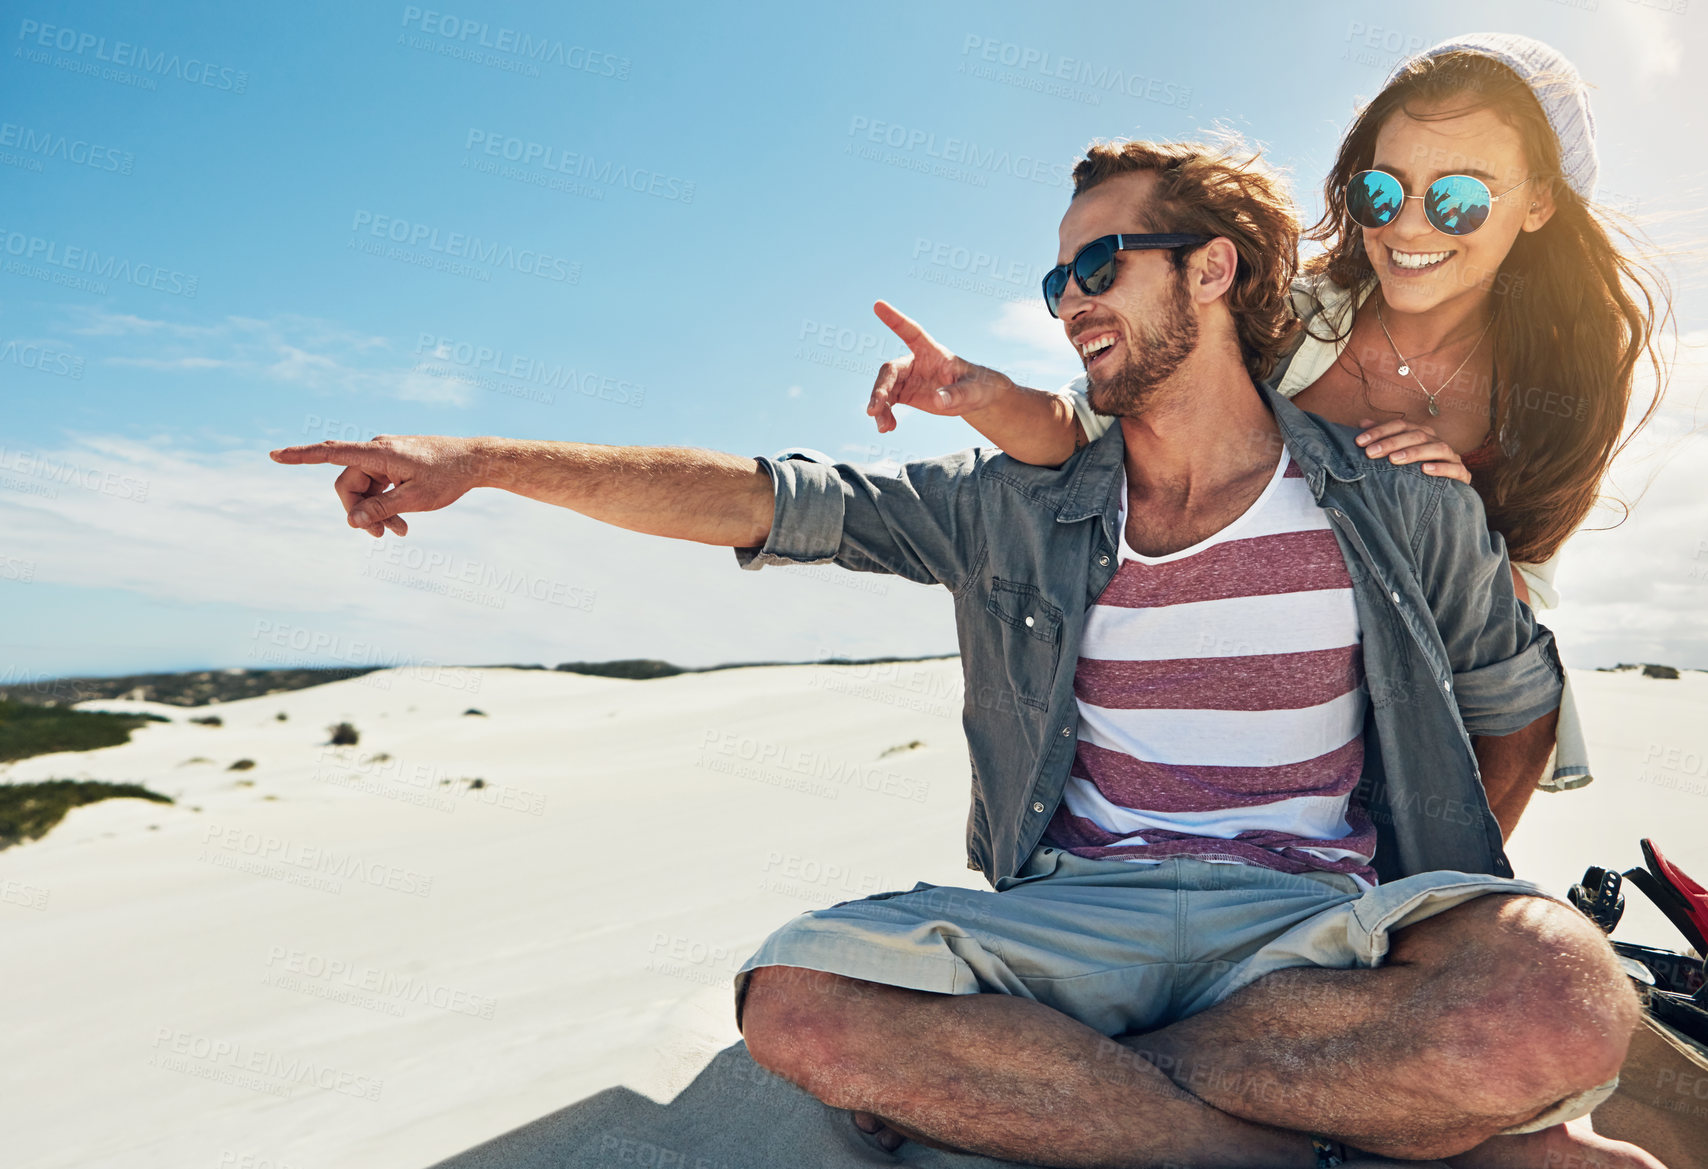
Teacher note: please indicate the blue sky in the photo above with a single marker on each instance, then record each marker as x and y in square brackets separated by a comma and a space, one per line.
[229, 228]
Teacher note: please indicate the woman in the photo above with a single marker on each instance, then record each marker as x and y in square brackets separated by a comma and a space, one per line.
[1469, 312]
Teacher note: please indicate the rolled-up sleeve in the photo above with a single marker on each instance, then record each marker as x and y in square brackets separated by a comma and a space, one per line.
[806, 515]
[1505, 696]
[1505, 669]
[920, 521]
[1094, 424]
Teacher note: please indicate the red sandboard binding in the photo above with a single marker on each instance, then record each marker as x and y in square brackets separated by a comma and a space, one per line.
[1675, 894]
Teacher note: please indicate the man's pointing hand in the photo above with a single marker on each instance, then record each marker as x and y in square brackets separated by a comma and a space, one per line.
[393, 474]
[928, 377]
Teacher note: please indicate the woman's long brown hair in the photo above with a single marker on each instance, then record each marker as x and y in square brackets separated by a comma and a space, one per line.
[1574, 316]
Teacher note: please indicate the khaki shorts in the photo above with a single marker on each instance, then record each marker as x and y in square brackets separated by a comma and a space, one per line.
[1120, 946]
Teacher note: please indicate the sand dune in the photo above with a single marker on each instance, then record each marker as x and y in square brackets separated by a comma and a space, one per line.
[338, 959]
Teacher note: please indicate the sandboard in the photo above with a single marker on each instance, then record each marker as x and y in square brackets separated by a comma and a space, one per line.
[735, 1115]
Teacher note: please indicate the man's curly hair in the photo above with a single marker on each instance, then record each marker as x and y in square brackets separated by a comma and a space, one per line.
[1226, 190]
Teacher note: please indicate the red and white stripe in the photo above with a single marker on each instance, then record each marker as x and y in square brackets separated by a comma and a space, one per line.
[1221, 701]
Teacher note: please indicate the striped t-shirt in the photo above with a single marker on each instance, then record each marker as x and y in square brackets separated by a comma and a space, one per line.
[1221, 705]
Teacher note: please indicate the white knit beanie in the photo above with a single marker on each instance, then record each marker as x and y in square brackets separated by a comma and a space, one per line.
[1558, 88]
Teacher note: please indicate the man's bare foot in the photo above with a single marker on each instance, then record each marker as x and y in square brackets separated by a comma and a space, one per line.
[887, 1138]
[1573, 1145]
[891, 1137]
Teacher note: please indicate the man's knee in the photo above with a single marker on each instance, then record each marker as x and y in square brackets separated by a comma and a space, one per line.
[803, 1024]
[1538, 1002]
[1580, 995]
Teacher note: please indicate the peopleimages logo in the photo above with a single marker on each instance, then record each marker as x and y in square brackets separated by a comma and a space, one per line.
[129, 56]
[43, 359]
[545, 157]
[461, 246]
[110, 483]
[27, 251]
[460, 36]
[237, 1061]
[77, 151]
[552, 375]
[957, 152]
[1073, 71]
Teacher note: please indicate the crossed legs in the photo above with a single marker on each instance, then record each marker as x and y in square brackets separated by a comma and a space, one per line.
[1483, 1017]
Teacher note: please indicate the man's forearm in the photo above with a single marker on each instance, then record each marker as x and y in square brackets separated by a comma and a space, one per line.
[680, 492]
[1033, 426]
[1511, 765]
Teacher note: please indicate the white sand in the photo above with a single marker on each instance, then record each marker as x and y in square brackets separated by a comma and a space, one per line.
[474, 959]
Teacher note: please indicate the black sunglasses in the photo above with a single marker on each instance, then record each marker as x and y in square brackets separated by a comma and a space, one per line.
[1093, 266]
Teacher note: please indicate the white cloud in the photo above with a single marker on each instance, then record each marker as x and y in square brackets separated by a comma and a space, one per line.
[300, 367]
[1029, 323]
[171, 362]
[1653, 38]
[435, 384]
[1044, 359]
[292, 350]
[104, 324]
[1636, 592]
[494, 578]
[1639, 591]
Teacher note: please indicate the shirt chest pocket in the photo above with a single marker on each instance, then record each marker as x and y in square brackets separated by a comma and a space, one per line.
[1030, 629]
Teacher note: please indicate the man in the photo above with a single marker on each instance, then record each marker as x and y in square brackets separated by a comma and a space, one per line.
[1223, 675]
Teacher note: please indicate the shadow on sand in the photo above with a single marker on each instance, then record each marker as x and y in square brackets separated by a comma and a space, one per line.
[735, 1115]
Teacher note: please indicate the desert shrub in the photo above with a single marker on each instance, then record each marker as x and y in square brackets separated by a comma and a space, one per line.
[26, 729]
[625, 668]
[29, 810]
[344, 735]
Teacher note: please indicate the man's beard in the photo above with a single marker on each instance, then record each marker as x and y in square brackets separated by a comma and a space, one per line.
[1165, 346]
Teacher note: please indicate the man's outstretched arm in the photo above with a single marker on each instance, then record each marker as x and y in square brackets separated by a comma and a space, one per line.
[680, 492]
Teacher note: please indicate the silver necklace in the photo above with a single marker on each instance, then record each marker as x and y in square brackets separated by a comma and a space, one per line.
[1405, 366]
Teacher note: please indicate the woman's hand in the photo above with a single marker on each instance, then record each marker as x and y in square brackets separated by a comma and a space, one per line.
[1412, 442]
[929, 377]
[1029, 425]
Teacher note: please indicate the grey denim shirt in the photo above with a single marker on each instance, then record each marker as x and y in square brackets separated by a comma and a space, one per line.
[1449, 651]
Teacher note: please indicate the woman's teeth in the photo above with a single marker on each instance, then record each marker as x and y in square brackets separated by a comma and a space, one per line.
[1415, 260]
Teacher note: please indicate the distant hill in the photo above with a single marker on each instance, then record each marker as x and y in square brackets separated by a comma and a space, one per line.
[202, 687]
[193, 688]
[1647, 669]
[642, 668]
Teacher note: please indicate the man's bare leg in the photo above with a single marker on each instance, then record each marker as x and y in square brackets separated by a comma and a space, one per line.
[1482, 1018]
[992, 1074]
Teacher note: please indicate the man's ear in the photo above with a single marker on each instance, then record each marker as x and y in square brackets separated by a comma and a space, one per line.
[1212, 268]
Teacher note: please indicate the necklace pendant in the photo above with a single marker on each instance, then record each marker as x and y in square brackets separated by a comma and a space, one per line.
[1434, 410]
[1404, 370]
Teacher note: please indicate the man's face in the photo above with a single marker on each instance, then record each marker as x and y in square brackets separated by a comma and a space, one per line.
[1146, 312]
